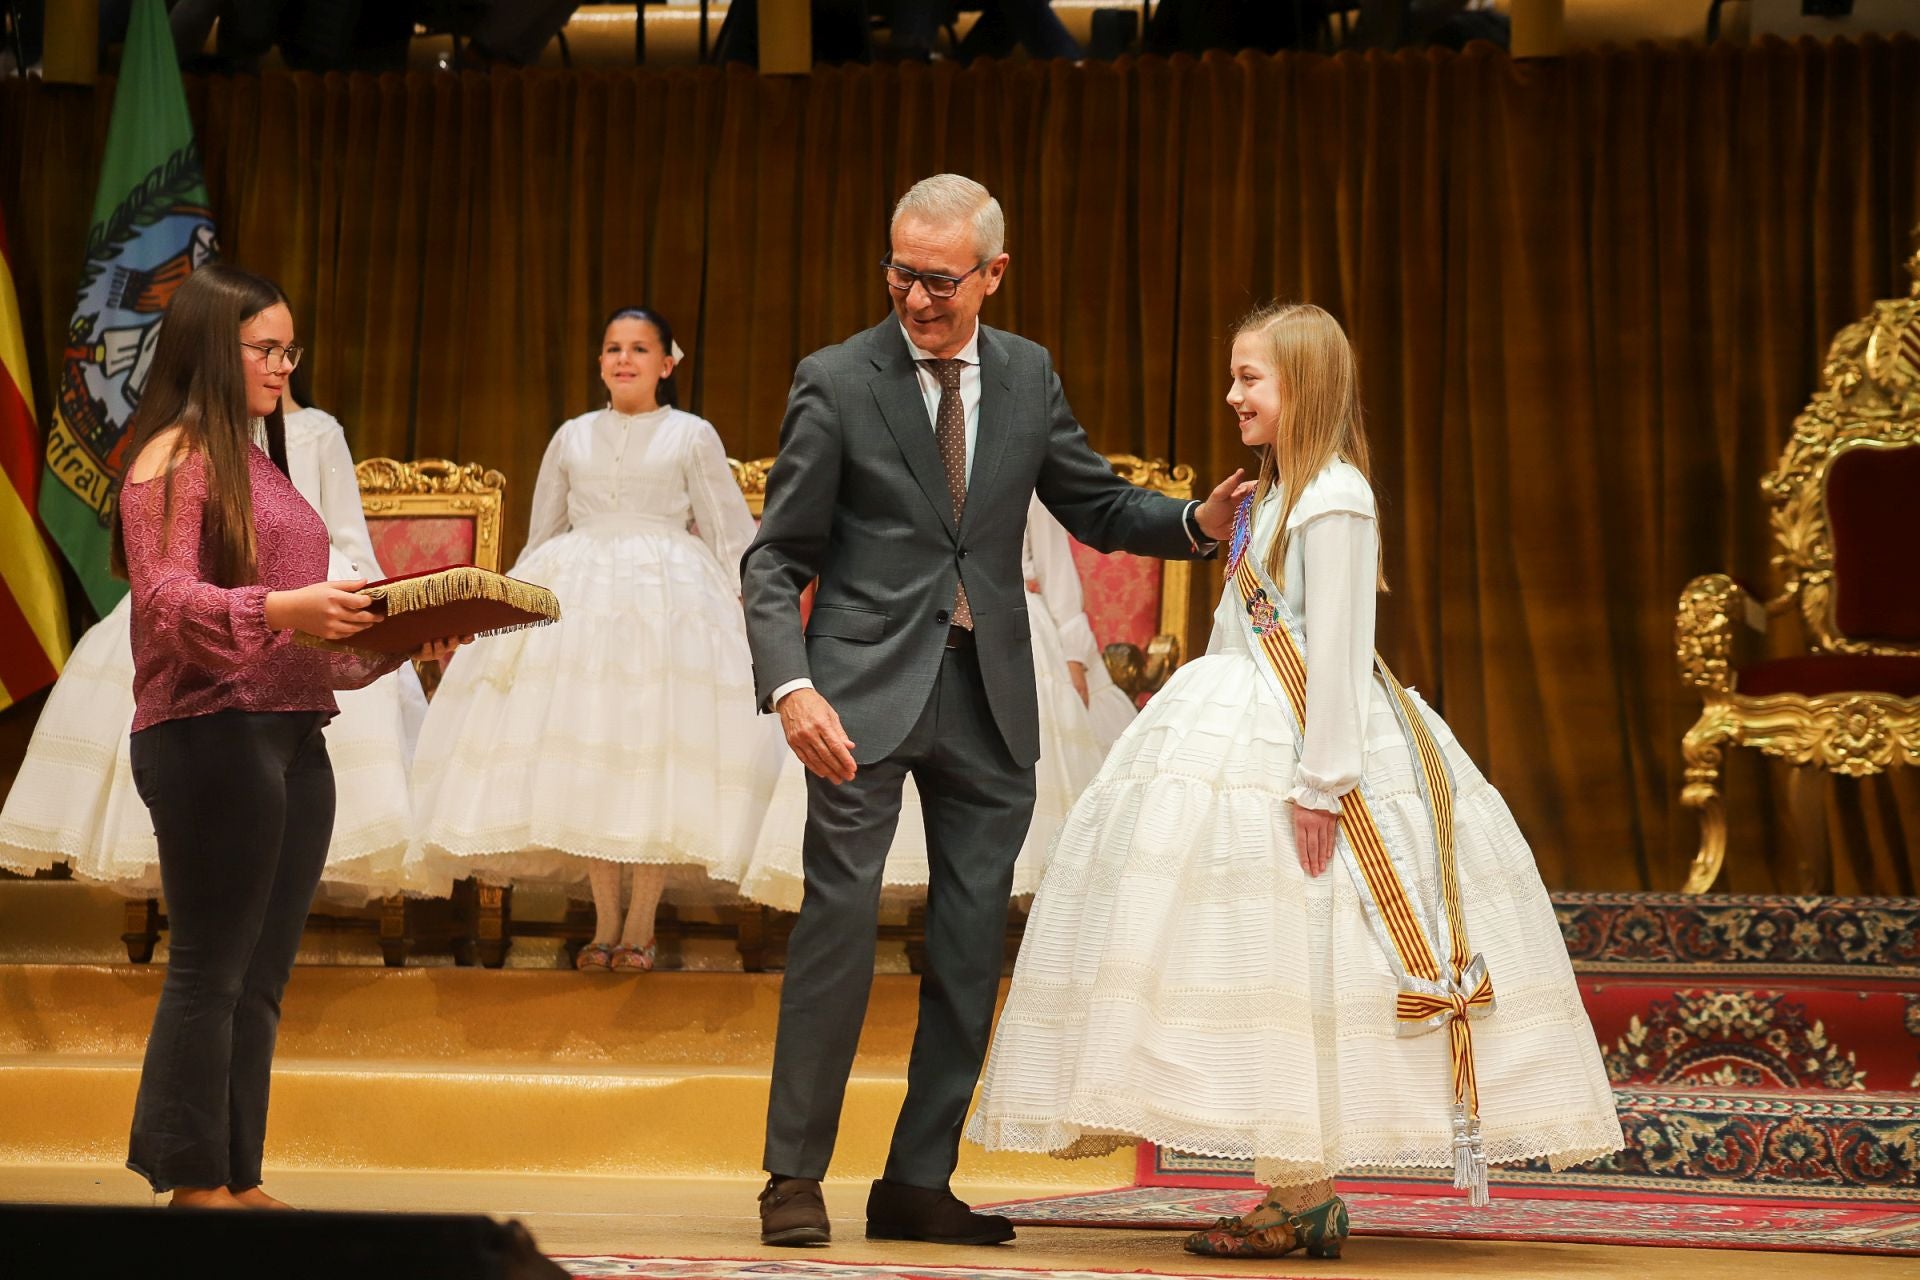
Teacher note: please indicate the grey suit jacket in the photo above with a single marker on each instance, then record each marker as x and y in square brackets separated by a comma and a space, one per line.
[858, 497]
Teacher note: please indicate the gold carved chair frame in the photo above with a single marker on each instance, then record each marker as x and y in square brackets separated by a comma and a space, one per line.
[435, 487]
[1869, 398]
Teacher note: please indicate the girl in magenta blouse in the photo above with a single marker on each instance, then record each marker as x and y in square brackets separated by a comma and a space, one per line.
[226, 562]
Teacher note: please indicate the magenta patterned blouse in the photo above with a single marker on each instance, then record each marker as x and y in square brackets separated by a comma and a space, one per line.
[199, 648]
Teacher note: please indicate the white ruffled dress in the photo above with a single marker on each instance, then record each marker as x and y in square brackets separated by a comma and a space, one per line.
[627, 731]
[1184, 982]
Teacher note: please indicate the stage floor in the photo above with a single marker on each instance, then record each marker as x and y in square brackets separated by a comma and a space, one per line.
[715, 1218]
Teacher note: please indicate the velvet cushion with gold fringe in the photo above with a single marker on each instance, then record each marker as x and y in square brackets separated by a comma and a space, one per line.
[459, 600]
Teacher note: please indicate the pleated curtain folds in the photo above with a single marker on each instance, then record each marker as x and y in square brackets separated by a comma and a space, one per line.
[1588, 296]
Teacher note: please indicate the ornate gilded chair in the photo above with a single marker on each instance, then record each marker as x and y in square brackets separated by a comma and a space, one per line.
[432, 512]
[1843, 496]
[1138, 610]
[752, 479]
[423, 515]
[1138, 607]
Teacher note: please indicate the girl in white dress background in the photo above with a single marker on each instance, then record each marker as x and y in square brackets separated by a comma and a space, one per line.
[74, 800]
[1082, 712]
[626, 735]
[1212, 963]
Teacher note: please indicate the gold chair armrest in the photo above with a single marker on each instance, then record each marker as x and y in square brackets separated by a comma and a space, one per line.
[1135, 672]
[1703, 629]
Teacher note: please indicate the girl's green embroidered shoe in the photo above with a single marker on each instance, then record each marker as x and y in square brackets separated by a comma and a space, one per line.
[1323, 1228]
[1233, 1238]
[1320, 1230]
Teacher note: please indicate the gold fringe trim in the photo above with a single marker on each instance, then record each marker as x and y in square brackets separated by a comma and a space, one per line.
[451, 586]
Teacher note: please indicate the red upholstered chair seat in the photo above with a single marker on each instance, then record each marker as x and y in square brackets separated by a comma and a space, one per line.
[1871, 510]
[1815, 674]
[414, 544]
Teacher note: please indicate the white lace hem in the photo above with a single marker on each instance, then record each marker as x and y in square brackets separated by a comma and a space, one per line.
[1099, 1130]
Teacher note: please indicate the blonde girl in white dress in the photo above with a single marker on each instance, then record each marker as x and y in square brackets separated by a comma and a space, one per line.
[74, 799]
[624, 737]
[1081, 714]
[1256, 941]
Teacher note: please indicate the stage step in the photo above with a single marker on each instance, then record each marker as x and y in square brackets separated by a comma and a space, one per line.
[1726, 936]
[1720, 1032]
[470, 1017]
[373, 1114]
[660, 1074]
[1690, 1032]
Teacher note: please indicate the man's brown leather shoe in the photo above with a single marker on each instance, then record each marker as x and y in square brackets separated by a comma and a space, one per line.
[792, 1211]
[896, 1211]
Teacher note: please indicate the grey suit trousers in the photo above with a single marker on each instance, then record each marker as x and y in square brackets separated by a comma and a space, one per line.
[978, 804]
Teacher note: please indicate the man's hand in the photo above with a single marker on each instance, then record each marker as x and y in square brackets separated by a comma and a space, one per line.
[1077, 672]
[440, 651]
[1215, 515]
[815, 735]
[1313, 832]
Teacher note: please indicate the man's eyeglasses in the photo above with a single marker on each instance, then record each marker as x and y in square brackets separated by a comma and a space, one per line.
[276, 356]
[902, 280]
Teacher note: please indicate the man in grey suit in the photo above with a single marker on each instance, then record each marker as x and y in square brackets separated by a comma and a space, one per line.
[907, 458]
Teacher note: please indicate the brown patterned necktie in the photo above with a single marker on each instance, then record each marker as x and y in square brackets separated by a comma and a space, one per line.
[950, 433]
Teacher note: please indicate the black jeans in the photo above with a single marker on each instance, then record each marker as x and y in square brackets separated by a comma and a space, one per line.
[242, 806]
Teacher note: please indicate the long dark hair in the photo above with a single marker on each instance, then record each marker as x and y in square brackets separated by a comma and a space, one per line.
[664, 392]
[198, 384]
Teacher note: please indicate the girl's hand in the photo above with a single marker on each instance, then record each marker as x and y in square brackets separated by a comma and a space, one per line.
[1313, 832]
[440, 650]
[329, 610]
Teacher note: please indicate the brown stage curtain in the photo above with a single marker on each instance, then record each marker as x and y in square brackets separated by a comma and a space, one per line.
[1588, 294]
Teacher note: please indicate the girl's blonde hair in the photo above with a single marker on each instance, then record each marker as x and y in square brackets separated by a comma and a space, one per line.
[1320, 418]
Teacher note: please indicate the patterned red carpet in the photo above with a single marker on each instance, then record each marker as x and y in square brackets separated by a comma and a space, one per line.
[1824, 1228]
[1725, 1144]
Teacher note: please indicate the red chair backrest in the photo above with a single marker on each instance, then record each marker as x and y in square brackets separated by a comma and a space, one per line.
[1122, 594]
[1870, 510]
[415, 544]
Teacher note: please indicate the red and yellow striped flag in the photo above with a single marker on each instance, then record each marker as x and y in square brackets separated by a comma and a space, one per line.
[33, 608]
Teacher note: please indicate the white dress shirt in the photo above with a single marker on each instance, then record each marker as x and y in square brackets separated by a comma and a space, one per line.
[969, 386]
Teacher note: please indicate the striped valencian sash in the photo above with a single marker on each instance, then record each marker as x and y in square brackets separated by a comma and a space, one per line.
[1413, 935]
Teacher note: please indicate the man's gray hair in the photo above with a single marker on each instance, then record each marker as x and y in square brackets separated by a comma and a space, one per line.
[947, 198]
